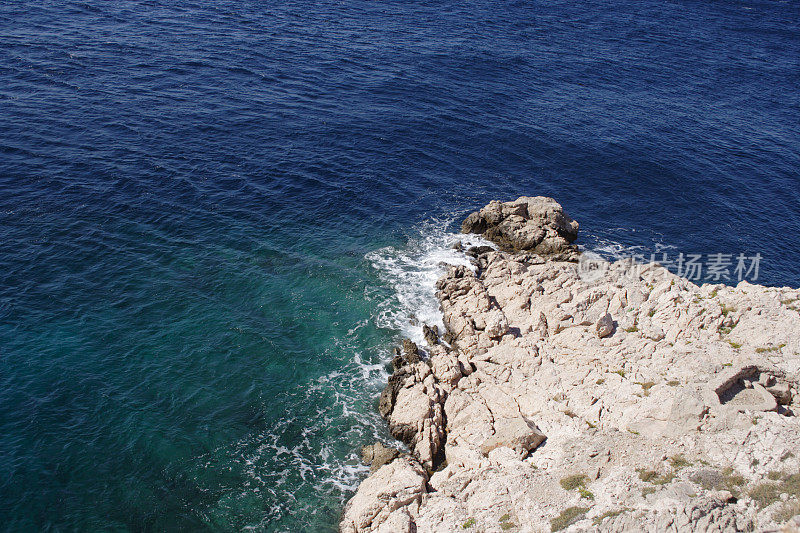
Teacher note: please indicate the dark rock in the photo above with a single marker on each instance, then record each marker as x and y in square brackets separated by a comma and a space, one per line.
[386, 401]
[537, 224]
[397, 359]
[397, 362]
[457, 272]
[476, 251]
[474, 223]
[431, 334]
[782, 393]
[376, 455]
[410, 351]
[405, 433]
[389, 393]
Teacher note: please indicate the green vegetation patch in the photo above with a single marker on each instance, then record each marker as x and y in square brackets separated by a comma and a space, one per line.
[505, 524]
[567, 517]
[647, 385]
[679, 461]
[711, 479]
[765, 494]
[770, 348]
[769, 492]
[608, 514]
[574, 482]
[651, 476]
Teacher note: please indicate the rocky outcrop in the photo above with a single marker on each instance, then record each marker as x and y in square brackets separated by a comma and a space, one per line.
[386, 499]
[376, 455]
[636, 401]
[536, 224]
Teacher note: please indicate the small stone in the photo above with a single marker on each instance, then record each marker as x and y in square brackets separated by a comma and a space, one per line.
[496, 324]
[604, 326]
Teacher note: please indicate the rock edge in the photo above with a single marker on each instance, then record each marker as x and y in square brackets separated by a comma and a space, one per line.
[629, 403]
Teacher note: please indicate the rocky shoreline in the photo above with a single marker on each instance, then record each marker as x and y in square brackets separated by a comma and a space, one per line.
[637, 401]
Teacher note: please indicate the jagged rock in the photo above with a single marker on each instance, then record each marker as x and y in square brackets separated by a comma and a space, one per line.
[448, 337]
[412, 406]
[476, 251]
[496, 325]
[659, 398]
[604, 326]
[412, 403]
[376, 455]
[396, 485]
[538, 224]
[389, 394]
[431, 334]
[738, 388]
[386, 401]
[397, 362]
[410, 351]
[782, 393]
[446, 369]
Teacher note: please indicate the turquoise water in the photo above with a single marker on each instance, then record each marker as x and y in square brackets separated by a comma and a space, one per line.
[207, 381]
[222, 379]
[217, 218]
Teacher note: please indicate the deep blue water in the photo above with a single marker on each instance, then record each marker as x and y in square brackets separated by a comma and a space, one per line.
[216, 217]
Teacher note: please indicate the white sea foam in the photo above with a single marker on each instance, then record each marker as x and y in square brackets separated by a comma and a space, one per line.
[311, 455]
[614, 250]
[411, 273]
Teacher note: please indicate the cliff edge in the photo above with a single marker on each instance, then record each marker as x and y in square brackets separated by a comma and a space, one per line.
[562, 397]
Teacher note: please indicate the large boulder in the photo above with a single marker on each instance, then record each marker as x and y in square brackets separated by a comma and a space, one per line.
[519, 434]
[538, 224]
[395, 485]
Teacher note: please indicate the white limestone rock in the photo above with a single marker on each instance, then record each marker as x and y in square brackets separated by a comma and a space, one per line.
[395, 486]
[660, 399]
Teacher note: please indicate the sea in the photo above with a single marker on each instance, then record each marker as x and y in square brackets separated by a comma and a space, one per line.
[218, 217]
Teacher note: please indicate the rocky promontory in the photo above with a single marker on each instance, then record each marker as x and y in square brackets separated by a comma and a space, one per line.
[633, 400]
